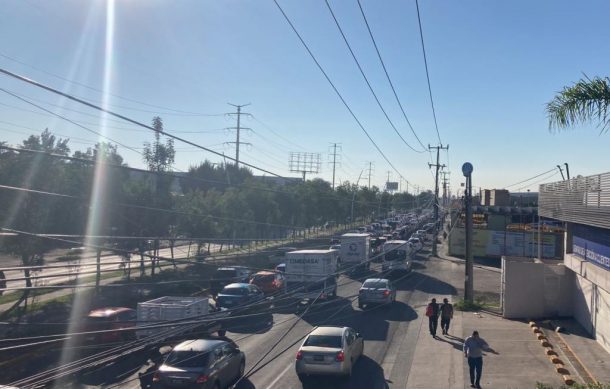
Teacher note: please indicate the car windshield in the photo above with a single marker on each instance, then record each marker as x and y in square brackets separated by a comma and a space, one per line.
[331, 341]
[188, 358]
[395, 254]
[375, 284]
[235, 291]
[264, 278]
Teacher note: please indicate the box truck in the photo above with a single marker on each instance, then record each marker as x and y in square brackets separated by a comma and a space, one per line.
[311, 274]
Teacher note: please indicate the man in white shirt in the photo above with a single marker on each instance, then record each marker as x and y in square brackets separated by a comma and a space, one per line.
[473, 350]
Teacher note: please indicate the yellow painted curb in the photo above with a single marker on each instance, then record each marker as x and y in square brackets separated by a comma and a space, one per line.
[532, 324]
[551, 352]
[555, 360]
[545, 343]
[541, 337]
[537, 330]
[568, 380]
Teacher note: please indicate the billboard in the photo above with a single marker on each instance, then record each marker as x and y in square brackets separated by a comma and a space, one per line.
[488, 243]
[391, 185]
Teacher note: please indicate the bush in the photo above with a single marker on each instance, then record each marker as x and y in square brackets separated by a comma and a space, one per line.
[463, 305]
[596, 385]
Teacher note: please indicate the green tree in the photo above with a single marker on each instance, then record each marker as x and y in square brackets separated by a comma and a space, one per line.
[588, 100]
[159, 157]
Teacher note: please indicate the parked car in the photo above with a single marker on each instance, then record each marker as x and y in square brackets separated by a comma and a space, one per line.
[229, 275]
[329, 351]
[376, 291]
[110, 318]
[239, 294]
[201, 363]
[268, 281]
[281, 268]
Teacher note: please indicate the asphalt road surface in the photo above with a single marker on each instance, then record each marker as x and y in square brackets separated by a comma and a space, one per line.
[390, 334]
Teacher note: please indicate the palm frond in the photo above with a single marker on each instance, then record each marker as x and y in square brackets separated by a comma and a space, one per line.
[588, 100]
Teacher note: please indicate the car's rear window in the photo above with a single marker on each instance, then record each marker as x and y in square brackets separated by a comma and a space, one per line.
[323, 341]
[375, 284]
[235, 291]
[188, 358]
[264, 278]
[229, 273]
[99, 320]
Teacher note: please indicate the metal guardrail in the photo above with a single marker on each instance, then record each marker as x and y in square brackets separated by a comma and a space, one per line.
[583, 200]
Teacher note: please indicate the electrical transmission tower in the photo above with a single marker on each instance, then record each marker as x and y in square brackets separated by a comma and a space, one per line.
[334, 148]
[370, 172]
[238, 129]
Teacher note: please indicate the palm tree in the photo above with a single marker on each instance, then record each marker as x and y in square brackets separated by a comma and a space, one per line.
[588, 100]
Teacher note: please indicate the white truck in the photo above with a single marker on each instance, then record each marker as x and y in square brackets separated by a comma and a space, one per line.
[397, 256]
[311, 274]
[151, 315]
[355, 251]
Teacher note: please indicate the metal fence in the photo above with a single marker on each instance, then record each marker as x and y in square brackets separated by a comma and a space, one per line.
[583, 200]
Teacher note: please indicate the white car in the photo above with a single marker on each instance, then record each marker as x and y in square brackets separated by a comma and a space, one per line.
[416, 243]
[329, 351]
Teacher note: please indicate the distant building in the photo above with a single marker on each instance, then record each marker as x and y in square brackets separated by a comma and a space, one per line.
[495, 197]
[524, 199]
[583, 204]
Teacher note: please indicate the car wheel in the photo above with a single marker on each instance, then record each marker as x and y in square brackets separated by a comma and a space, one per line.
[222, 333]
[302, 378]
[360, 305]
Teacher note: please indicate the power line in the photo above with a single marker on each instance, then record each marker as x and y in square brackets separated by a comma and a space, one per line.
[404, 114]
[176, 111]
[529, 179]
[45, 87]
[423, 47]
[367, 80]
[335, 88]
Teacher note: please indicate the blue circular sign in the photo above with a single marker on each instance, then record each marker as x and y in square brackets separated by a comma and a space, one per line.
[467, 168]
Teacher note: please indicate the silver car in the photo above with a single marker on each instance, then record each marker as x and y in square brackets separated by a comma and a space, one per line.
[201, 363]
[376, 291]
[329, 351]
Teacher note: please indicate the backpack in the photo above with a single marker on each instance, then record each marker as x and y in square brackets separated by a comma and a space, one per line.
[429, 310]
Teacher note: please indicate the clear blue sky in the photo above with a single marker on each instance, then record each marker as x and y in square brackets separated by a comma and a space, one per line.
[493, 66]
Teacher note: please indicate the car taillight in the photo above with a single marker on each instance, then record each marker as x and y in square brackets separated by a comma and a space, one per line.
[299, 355]
[386, 292]
[202, 379]
[340, 356]
[156, 377]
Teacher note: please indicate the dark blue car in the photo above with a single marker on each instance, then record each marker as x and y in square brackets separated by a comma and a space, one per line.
[238, 295]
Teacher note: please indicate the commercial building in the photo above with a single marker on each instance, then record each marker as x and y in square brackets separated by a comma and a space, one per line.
[583, 204]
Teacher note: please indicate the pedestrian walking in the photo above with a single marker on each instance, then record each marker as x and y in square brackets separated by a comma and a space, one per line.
[432, 311]
[473, 350]
[446, 316]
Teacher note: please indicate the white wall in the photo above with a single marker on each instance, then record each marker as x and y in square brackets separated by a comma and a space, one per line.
[533, 290]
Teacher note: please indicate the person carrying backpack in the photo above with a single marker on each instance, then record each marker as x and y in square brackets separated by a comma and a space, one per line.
[446, 316]
[432, 311]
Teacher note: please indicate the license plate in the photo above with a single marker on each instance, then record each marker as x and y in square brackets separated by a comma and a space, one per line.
[318, 357]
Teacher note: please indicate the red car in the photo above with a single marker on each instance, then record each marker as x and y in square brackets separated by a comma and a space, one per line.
[112, 318]
[269, 282]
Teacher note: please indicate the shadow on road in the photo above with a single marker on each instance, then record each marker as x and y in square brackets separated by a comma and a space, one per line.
[427, 284]
[258, 324]
[366, 374]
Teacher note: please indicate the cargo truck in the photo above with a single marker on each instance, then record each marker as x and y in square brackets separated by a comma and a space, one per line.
[311, 274]
[355, 251]
[153, 314]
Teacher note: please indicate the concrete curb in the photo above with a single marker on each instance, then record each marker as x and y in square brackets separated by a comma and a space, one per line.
[552, 354]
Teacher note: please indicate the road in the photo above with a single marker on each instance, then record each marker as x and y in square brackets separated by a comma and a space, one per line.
[86, 267]
[390, 334]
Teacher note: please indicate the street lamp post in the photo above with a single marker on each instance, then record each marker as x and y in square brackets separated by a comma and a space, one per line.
[468, 280]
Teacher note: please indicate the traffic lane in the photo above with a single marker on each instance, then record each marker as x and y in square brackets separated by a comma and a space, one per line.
[377, 326]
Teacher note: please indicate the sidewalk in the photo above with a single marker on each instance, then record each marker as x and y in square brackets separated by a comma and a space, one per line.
[519, 361]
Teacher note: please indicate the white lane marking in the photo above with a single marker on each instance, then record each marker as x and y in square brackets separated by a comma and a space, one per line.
[275, 381]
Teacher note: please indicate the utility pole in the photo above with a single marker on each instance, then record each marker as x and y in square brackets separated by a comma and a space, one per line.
[387, 181]
[334, 162]
[437, 166]
[567, 170]
[370, 171]
[238, 130]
